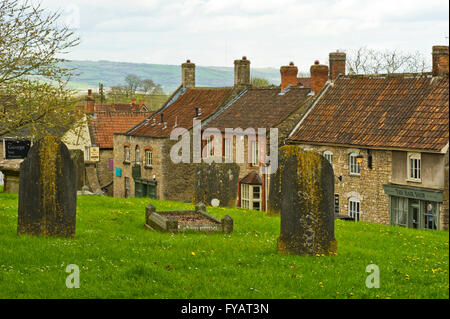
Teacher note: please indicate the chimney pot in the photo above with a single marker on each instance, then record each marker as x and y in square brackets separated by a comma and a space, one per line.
[440, 59]
[244, 58]
[316, 62]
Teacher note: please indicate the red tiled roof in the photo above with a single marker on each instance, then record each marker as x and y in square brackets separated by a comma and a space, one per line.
[105, 124]
[397, 111]
[260, 108]
[182, 110]
[121, 107]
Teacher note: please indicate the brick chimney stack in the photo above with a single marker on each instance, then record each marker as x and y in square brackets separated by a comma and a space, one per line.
[288, 75]
[188, 74]
[319, 76]
[90, 102]
[337, 64]
[242, 72]
[440, 59]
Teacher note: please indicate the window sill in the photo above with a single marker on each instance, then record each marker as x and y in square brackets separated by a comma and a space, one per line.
[355, 174]
[126, 163]
[414, 180]
[148, 166]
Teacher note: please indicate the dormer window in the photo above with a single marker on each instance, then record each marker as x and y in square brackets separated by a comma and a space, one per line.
[414, 167]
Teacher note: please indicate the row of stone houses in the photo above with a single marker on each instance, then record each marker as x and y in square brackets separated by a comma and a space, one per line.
[385, 135]
[387, 139]
[142, 155]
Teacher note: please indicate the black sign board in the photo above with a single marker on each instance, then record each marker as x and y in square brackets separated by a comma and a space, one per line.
[16, 149]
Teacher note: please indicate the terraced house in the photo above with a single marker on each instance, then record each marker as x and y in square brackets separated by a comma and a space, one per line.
[142, 163]
[387, 139]
[275, 107]
[143, 166]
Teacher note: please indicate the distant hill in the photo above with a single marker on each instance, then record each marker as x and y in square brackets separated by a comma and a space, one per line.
[91, 73]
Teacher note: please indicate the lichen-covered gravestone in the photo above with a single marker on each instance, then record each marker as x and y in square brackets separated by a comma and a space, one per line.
[216, 181]
[48, 190]
[306, 202]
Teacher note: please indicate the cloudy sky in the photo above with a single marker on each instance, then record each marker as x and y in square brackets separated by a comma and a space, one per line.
[269, 33]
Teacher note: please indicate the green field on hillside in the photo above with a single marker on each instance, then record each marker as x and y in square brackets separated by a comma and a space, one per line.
[119, 258]
[91, 73]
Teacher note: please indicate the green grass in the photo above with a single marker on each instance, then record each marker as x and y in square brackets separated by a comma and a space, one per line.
[119, 258]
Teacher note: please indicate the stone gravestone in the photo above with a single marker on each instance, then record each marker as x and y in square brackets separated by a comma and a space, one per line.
[48, 190]
[216, 181]
[306, 203]
[78, 158]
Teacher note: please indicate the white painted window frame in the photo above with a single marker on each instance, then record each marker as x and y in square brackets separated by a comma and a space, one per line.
[354, 208]
[329, 156]
[418, 158]
[247, 197]
[353, 164]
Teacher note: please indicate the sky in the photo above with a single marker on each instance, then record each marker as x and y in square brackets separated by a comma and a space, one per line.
[269, 33]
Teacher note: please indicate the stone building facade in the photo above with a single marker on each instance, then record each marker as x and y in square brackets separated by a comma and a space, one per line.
[165, 179]
[387, 139]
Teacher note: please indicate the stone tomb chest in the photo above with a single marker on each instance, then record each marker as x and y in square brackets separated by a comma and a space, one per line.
[183, 220]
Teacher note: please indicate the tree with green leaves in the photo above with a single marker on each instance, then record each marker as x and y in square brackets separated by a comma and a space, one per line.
[32, 75]
[260, 82]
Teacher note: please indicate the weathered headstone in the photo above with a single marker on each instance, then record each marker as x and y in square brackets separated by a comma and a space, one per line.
[216, 182]
[306, 203]
[78, 158]
[48, 190]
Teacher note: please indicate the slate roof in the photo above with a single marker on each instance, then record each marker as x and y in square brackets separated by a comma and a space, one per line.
[396, 111]
[252, 178]
[259, 108]
[105, 124]
[180, 109]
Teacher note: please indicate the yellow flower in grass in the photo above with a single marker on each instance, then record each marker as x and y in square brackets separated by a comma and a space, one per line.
[193, 253]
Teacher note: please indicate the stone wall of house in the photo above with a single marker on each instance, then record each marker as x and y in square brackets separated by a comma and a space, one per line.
[104, 172]
[1, 150]
[367, 187]
[156, 145]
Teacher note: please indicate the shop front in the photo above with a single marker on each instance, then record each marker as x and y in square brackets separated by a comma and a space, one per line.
[414, 207]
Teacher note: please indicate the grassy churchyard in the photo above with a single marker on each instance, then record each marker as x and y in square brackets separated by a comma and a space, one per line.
[119, 258]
